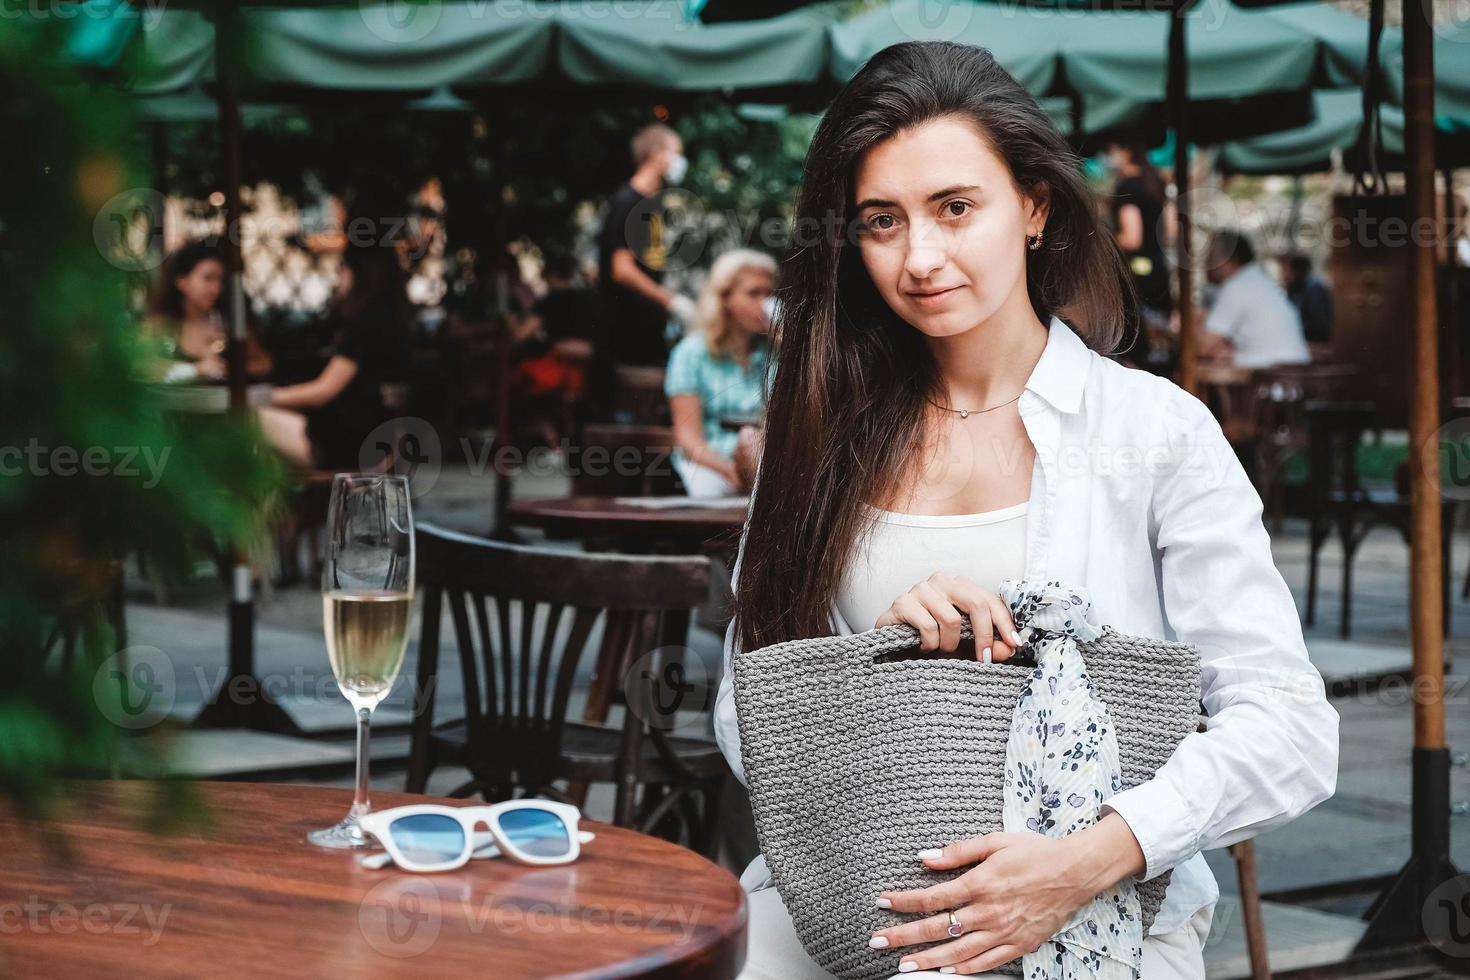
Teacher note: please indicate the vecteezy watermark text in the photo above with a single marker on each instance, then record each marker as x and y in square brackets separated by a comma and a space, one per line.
[94, 918]
[37, 459]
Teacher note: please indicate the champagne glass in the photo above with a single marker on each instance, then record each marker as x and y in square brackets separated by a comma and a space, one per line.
[367, 591]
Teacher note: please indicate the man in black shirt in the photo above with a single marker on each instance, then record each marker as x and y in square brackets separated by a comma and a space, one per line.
[632, 250]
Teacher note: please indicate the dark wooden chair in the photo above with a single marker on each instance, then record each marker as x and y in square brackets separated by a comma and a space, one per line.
[626, 461]
[1282, 393]
[1340, 501]
[638, 395]
[515, 735]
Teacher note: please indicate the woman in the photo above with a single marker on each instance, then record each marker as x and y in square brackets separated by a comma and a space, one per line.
[322, 423]
[718, 371]
[1141, 216]
[942, 418]
[183, 311]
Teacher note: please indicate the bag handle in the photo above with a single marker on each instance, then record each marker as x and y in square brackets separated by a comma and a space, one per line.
[896, 638]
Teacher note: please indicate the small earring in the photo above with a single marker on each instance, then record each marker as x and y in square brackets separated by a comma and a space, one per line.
[1034, 243]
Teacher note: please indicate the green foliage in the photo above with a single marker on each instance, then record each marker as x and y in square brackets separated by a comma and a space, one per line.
[79, 427]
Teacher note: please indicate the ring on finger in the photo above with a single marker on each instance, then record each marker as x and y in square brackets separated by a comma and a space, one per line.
[956, 927]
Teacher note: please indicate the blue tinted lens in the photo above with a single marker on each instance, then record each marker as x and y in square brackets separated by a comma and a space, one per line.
[428, 838]
[536, 832]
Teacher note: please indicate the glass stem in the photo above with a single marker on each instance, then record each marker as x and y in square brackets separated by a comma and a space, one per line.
[360, 803]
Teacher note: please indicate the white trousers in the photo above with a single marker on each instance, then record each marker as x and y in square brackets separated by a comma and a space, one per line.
[700, 480]
[773, 951]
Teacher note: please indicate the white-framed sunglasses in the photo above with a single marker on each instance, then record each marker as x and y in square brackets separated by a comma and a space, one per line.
[435, 837]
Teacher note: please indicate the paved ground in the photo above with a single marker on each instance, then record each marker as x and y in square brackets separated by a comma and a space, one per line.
[1361, 833]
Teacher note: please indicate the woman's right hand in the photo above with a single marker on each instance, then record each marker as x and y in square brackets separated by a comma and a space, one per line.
[934, 606]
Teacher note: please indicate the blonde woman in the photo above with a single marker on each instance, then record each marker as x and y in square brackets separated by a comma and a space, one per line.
[719, 371]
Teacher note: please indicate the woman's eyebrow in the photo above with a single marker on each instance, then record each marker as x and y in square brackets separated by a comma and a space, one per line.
[876, 202]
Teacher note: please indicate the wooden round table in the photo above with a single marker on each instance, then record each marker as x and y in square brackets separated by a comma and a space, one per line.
[250, 895]
[622, 517]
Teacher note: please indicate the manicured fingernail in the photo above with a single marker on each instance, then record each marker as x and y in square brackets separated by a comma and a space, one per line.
[946, 969]
[907, 966]
[884, 903]
[878, 942]
[930, 854]
[985, 655]
[1016, 638]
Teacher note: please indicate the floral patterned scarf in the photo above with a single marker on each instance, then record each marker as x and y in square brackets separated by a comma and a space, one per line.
[1061, 764]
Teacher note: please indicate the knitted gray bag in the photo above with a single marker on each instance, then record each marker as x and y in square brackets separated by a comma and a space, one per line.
[856, 761]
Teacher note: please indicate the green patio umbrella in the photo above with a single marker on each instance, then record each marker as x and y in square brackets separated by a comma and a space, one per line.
[379, 47]
[155, 51]
[662, 50]
[1014, 35]
[1451, 76]
[467, 44]
[1308, 149]
[1114, 58]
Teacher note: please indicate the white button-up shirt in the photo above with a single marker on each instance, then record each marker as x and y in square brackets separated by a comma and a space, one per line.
[1136, 495]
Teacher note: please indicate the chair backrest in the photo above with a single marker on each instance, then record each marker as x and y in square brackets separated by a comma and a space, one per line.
[1334, 431]
[516, 691]
[1284, 390]
[638, 395]
[625, 461]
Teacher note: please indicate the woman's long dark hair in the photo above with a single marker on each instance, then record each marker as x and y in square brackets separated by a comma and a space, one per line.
[165, 300]
[848, 397]
[378, 295]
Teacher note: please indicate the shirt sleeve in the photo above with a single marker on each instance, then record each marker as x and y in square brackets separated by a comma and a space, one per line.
[1269, 750]
[727, 731]
[681, 377]
[1224, 316]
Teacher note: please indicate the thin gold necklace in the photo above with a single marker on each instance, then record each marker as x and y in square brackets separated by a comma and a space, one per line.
[965, 413]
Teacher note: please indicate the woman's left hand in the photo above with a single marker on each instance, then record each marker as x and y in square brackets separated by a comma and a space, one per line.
[1021, 892]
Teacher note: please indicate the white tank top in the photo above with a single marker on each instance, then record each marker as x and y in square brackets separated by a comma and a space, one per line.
[904, 549]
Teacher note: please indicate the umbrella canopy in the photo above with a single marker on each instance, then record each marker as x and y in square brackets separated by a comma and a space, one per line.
[1339, 117]
[1012, 34]
[1451, 76]
[376, 47]
[465, 44]
[660, 49]
[1114, 58]
[157, 51]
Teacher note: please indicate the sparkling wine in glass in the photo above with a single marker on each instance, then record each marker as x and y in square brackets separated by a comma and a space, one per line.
[367, 593]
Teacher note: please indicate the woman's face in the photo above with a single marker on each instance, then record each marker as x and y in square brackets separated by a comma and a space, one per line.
[200, 287]
[744, 303]
[942, 226]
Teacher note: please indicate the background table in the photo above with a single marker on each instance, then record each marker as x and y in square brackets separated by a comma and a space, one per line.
[583, 517]
[250, 895]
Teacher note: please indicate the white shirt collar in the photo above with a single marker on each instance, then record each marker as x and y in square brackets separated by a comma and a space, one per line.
[1061, 372]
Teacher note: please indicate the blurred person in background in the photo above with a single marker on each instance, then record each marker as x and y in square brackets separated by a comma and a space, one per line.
[1251, 323]
[322, 423]
[1140, 213]
[554, 344]
[183, 311]
[719, 371]
[1310, 295]
[632, 252]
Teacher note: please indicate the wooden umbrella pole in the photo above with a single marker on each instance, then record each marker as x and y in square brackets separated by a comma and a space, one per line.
[1412, 907]
[1178, 98]
[1426, 570]
[227, 75]
[240, 700]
